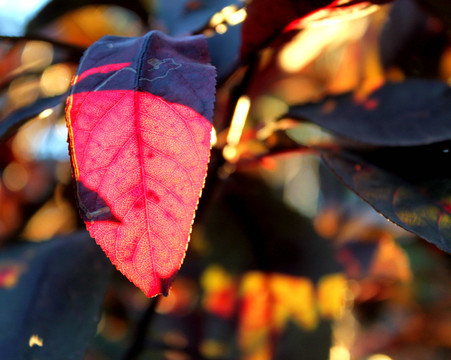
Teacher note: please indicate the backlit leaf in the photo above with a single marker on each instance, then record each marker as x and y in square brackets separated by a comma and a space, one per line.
[140, 144]
[409, 186]
[413, 112]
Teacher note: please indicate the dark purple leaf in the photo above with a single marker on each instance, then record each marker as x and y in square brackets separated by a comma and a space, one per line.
[182, 17]
[16, 119]
[51, 292]
[225, 51]
[409, 186]
[410, 113]
[405, 25]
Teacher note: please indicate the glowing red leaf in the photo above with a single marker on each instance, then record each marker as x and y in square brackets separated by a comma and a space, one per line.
[140, 144]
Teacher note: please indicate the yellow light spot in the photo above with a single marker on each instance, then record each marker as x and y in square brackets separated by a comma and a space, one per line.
[36, 55]
[379, 357]
[23, 91]
[9, 276]
[213, 137]
[212, 348]
[328, 17]
[35, 340]
[293, 298]
[306, 47]
[221, 29]
[238, 120]
[45, 113]
[215, 278]
[216, 19]
[237, 17]
[339, 353]
[15, 176]
[252, 282]
[10, 280]
[230, 153]
[332, 291]
[51, 219]
[321, 34]
[228, 10]
[56, 79]
[26, 136]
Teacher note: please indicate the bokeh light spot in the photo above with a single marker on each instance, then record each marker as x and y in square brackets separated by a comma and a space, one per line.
[339, 353]
[15, 176]
[37, 55]
[56, 79]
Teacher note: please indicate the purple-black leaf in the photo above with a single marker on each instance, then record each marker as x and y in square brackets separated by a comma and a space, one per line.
[47, 291]
[410, 113]
[19, 117]
[409, 186]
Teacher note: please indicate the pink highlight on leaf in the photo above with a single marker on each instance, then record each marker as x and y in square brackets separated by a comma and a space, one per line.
[143, 161]
[102, 69]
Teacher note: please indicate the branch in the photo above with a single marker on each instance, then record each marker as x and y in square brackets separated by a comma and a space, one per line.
[141, 331]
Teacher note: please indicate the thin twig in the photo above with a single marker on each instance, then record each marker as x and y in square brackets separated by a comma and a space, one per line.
[141, 331]
[257, 160]
[217, 161]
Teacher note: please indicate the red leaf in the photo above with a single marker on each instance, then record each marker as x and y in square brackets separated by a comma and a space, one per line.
[139, 157]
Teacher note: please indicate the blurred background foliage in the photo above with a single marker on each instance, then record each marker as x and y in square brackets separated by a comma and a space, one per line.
[284, 261]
